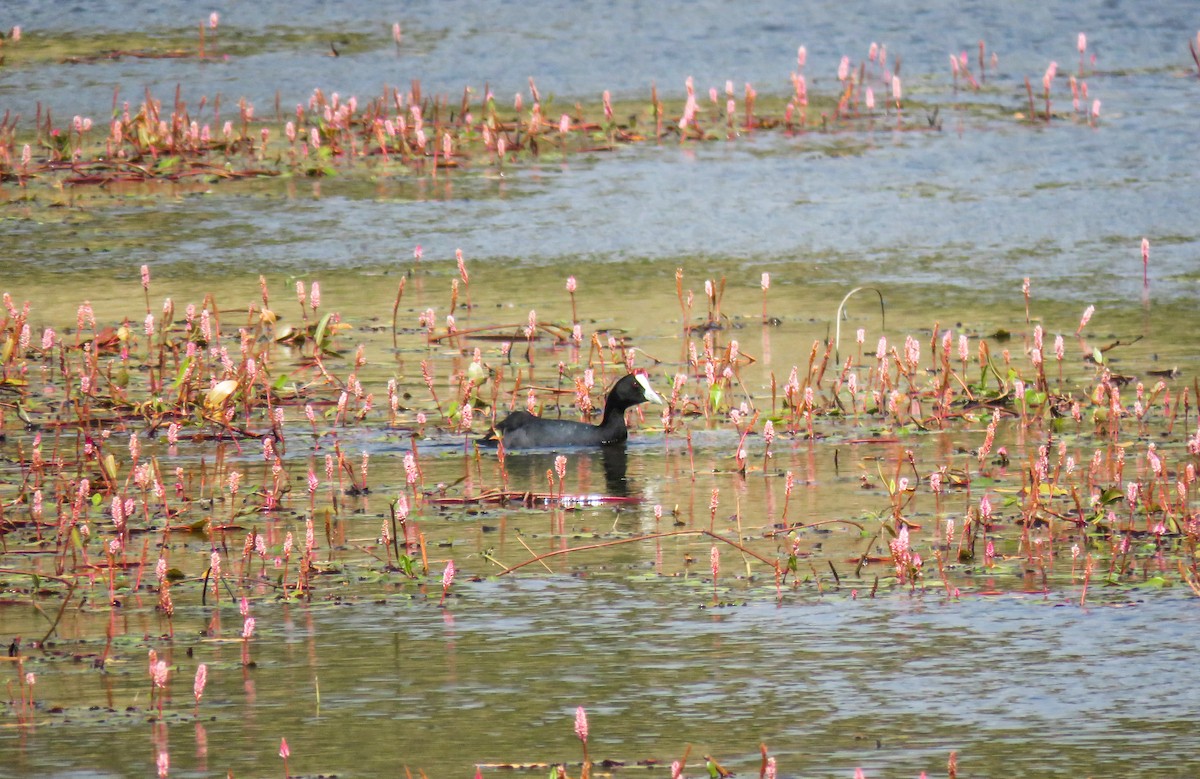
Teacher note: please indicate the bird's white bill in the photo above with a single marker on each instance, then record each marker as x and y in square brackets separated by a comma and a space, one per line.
[650, 393]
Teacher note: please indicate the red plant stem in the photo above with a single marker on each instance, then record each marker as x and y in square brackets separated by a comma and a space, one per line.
[1087, 575]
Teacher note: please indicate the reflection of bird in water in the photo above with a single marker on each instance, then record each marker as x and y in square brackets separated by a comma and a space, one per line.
[527, 470]
[614, 461]
[522, 430]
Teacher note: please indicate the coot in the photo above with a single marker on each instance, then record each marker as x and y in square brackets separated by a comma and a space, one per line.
[522, 430]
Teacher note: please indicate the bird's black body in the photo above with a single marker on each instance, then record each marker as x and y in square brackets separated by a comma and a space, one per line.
[522, 430]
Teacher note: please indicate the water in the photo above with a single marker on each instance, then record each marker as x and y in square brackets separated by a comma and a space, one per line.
[946, 222]
[899, 210]
[1012, 684]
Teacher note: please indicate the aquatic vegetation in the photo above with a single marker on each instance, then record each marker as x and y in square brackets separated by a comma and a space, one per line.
[413, 133]
[118, 431]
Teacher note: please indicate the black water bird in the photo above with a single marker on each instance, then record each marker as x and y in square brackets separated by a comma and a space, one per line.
[522, 430]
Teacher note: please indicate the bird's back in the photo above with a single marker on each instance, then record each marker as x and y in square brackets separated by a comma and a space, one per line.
[522, 430]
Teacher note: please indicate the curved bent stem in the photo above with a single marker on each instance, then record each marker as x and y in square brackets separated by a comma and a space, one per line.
[837, 338]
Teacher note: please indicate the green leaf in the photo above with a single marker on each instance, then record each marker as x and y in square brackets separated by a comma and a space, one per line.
[183, 369]
[321, 332]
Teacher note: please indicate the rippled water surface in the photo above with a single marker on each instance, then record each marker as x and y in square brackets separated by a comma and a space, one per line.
[945, 219]
[1014, 684]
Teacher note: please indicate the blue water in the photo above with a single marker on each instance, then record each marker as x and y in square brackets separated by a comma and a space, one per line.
[979, 205]
[578, 50]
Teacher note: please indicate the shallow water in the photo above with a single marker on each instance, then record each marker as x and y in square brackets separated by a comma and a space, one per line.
[1011, 683]
[1012, 675]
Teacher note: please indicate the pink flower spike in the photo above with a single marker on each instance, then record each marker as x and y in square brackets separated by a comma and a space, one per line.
[1087, 315]
[160, 673]
[462, 266]
[284, 752]
[1145, 261]
[201, 681]
[447, 579]
[581, 724]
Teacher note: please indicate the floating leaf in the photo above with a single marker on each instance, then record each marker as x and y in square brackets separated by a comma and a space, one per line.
[217, 396]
